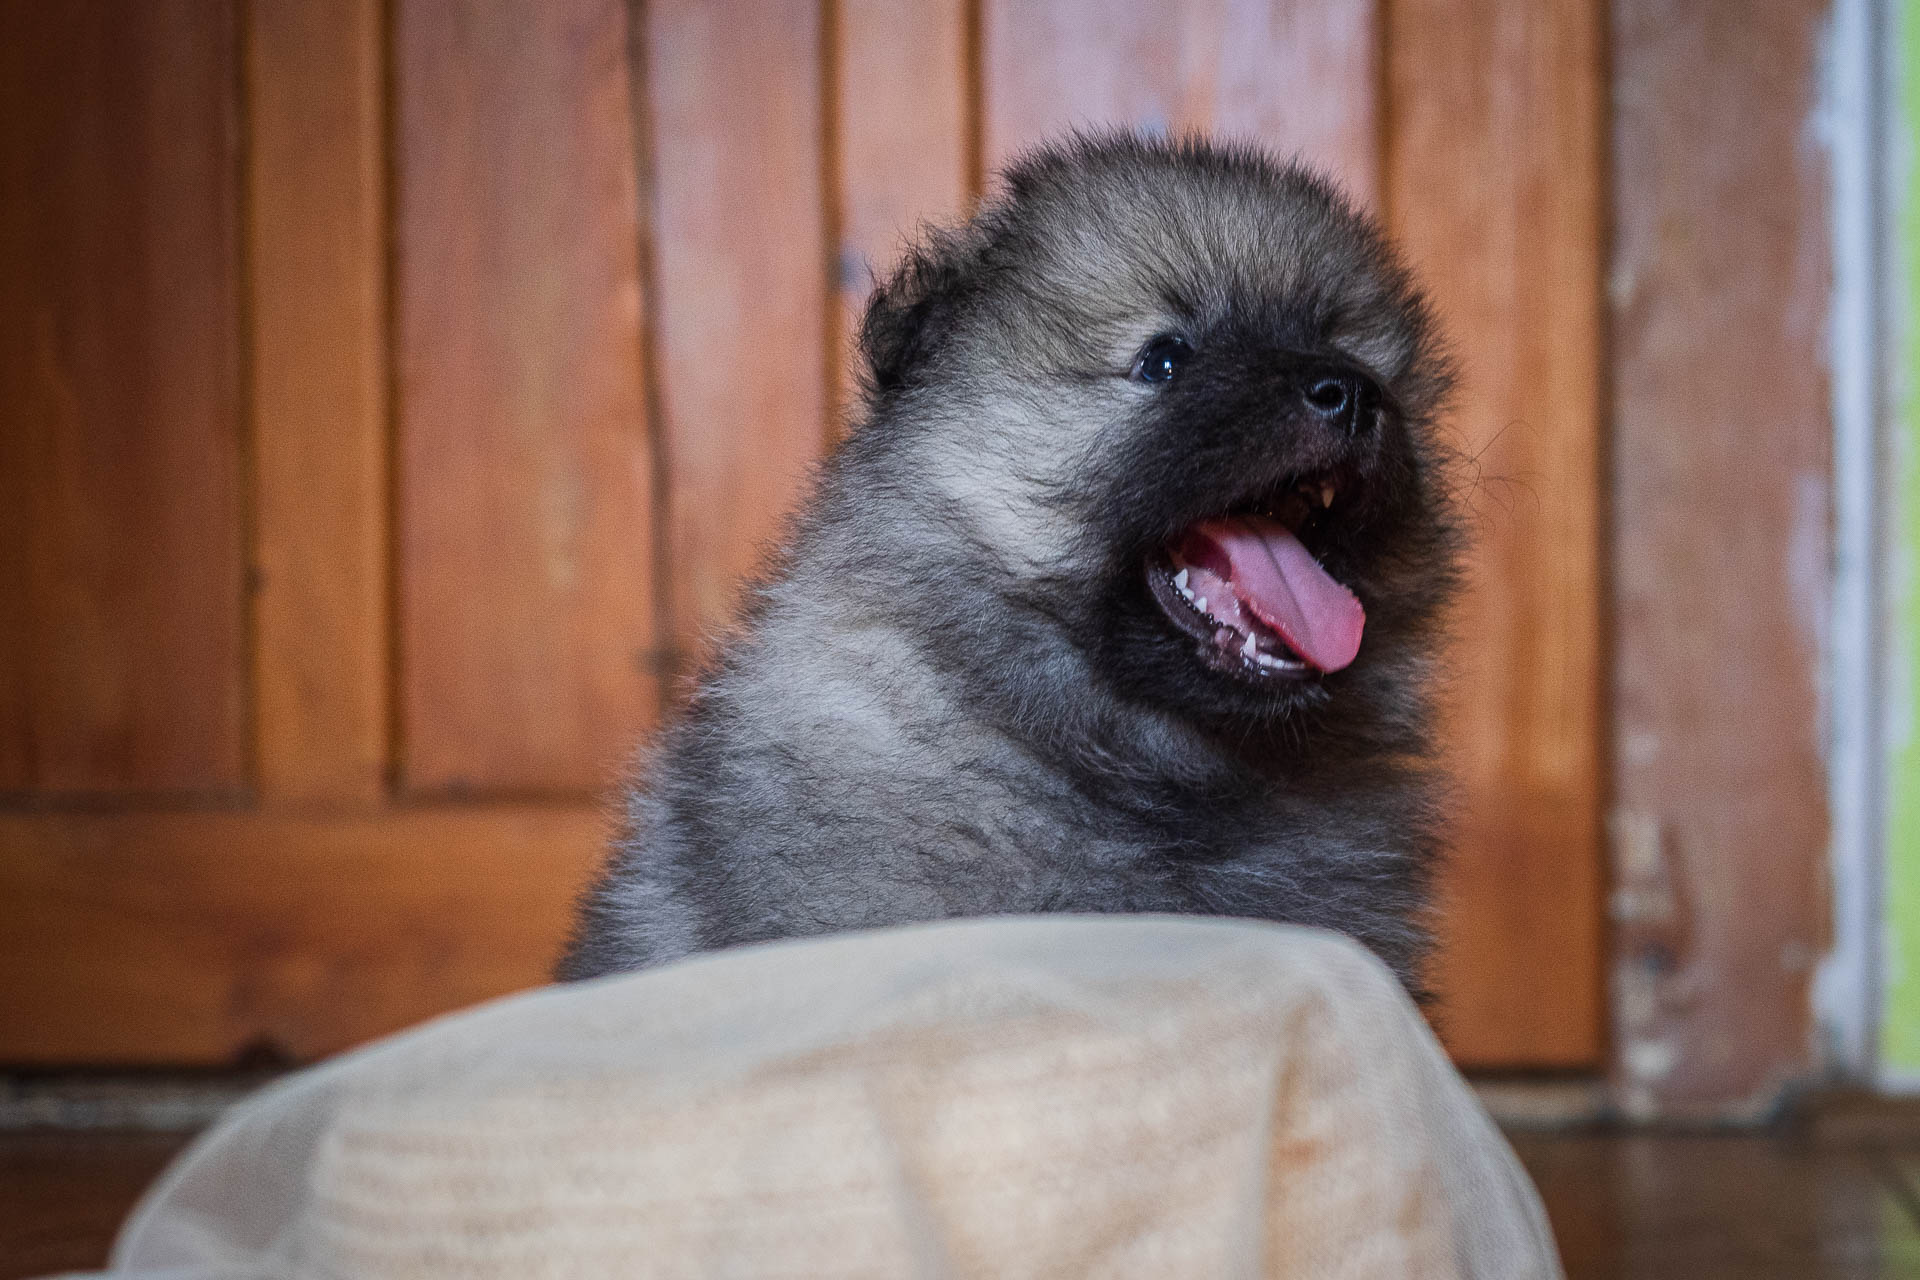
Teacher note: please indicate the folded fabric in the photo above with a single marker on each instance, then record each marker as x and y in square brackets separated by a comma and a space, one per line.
[1053, 1096]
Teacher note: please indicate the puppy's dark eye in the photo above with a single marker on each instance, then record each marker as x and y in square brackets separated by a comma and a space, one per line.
[1161, 359]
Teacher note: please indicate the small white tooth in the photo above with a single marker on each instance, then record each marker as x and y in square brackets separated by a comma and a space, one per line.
[1180, 579]
[1251, 649]
[1326, 495]
[1199, 602]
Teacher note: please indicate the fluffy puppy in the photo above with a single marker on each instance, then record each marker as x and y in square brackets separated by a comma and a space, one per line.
[1122, 595]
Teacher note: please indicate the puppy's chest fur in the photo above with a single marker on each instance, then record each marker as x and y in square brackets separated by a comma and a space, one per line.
[833, 776]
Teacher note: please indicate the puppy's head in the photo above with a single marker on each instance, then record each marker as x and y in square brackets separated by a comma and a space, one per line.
[1183, 396]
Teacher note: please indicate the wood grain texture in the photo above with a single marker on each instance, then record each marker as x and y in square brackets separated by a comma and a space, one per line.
[1721, 548]
[316, 233]
[1512, 93]
[63, 1195]
[526, 559]
[192, 938]
[1299, 76]
[741, 266]
[121, 622]
[1689, 1206]
[902, 138]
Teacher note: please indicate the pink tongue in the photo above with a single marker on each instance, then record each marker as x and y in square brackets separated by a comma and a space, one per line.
[1284, 586]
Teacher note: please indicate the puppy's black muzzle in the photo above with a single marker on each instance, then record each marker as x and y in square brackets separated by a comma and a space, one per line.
[1259, 428]
[1234, 435]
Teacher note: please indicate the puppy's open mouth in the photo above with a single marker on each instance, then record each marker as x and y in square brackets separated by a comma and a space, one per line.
[1249, 589]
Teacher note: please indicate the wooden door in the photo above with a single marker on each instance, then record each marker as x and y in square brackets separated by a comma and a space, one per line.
[393, 394]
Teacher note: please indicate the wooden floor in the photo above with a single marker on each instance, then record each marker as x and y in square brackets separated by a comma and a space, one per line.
[1700, 1207]
[62, 1195]
[1691, 1207]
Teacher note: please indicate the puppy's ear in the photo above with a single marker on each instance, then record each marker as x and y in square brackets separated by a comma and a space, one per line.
[909, 314]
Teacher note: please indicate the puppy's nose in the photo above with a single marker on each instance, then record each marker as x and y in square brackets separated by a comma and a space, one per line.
[1335, 398]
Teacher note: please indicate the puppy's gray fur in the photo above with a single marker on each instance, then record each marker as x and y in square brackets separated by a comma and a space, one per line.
[952, 694]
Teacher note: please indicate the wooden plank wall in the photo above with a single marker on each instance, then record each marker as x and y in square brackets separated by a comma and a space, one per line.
[1721, 544]
[741, 259]
[1514, 258]
[396, 395]
[122, 628]
[317, 245]
[524, 495]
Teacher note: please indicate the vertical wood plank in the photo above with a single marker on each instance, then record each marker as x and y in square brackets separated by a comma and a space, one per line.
[1494, 183]
[902, 137]
[193, 937]
[121, 635]
[1299, 76]
[741, 254]
[525, 544]
[317, 244]
[1721, 542]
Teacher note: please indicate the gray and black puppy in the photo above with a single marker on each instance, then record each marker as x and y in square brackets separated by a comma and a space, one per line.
[1122, 595]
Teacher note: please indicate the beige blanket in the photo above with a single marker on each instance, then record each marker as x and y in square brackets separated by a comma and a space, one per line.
[1062, 1096]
